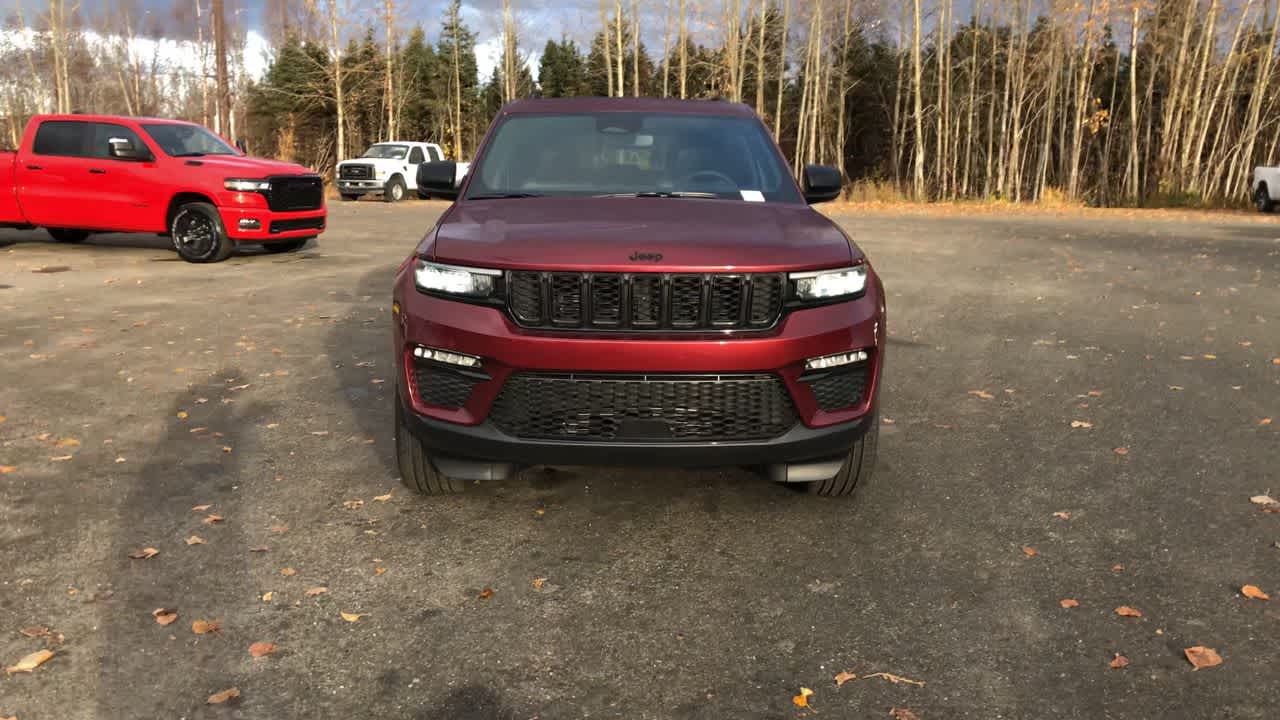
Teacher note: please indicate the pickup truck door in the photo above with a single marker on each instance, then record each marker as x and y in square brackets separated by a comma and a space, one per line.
[416, 158]
[51, 176]
[118, 190]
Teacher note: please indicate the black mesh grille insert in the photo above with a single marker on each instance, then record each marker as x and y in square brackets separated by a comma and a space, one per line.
[644, 301]
[441, 386]
[643, 408]
[840, 388]
[296, 192]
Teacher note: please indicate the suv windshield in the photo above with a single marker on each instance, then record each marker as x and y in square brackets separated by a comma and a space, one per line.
[386, 152]
[180, 140]
[632, 153]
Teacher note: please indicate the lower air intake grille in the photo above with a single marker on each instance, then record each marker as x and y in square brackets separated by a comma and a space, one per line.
[643, 408]
[442, 387]
[841, 388]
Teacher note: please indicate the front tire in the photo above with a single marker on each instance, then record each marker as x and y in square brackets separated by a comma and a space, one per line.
[284, 246]
[198, 234]
[1262, 198]
[858, 466]
[416, 470]
[67, 235]
[394, 190]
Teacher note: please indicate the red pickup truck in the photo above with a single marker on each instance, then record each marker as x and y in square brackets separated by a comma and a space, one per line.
[75, 175]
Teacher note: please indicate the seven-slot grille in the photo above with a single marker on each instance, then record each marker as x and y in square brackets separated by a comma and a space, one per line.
[291, 193]
[355, 172]
[643, 408]
[644, 301]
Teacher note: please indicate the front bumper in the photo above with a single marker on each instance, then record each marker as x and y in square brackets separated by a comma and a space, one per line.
[466, 430]
[360, 187]
[271, 225]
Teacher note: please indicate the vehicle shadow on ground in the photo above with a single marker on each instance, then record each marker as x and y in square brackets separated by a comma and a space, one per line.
[145, 669]
[104, 241]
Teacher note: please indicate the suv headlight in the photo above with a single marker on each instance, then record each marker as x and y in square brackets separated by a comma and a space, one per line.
[822, 285]
[246, 185]
[465, 282]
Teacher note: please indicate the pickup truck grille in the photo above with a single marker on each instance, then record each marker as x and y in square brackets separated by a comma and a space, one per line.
[291, 193]
[643, 408]
[644, 301]
[355, 172]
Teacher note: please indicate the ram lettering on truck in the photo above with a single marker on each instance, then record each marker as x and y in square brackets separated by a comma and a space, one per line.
[77, 175]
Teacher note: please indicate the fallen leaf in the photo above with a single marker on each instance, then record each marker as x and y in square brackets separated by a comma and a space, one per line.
[1254, 592]
[1081, 424]
[1117, 568]
[1275, 361]
[261, 649]
[802, 700]
[205, 627]
[1265, 421]
[1069, 603]
[6, 469]
[1029, 551]
[382, 498]
[895, 679]
[379, 570]
[1202, 657]
[67, 442]
[1263, 500]
[486, 593]
[164, 616]
[898, 713]
[539, 582]
[120, 460]
[1095, 393]
[1209, 356]
[268, 596]
[182, 414]
[1126, 611]
[259, 549]
[1122, 451]
[1062, 515]
[226, 448]
[201, 508]
[353, 504]
[317, 591]
[352, 617]
[1119, 662]
[30, 662]
[220, 697]
[319, 433]
[844, 676]
[212, 518]
[144, 554]
[196, 540]
[288, 572]
[62, 458]
[983, 394]
[279, 529]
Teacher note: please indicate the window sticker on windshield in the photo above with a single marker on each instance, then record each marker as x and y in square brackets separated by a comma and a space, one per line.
[752, 195]
[644, 141]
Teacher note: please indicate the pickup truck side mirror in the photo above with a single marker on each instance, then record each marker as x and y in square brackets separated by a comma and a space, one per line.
[124, 149]
[821, 183]
[439, 178]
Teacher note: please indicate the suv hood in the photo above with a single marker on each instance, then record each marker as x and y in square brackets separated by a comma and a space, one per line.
[603, 234]
[250, 167]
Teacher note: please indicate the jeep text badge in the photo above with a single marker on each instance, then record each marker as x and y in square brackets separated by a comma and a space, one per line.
[646, 257]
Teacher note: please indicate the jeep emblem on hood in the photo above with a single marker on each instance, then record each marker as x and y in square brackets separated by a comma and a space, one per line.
[646, 257]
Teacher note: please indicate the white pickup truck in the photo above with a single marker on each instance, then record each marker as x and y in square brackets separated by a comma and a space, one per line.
[1265, 188]
[389, 169]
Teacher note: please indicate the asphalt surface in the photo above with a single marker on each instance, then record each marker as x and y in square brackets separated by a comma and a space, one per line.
[136, 387]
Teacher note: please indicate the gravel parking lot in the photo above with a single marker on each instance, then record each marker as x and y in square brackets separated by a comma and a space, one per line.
[1076, 408]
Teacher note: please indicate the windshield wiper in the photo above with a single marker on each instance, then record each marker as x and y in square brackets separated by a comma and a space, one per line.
[503, 196]
[664, 194]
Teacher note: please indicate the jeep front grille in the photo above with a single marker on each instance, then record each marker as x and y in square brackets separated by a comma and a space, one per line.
[644, 301]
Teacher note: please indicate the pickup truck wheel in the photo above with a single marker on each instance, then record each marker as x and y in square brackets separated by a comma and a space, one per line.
[394, 190]
[858, 465]
[67, 235]
[350, 198]
[198, 234]
[416, 470]
[1262, 197]
[284, 246]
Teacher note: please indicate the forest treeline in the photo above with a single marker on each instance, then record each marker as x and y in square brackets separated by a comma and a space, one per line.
[1146, 102]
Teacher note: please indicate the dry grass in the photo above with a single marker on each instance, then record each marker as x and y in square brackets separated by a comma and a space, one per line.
[881, 200]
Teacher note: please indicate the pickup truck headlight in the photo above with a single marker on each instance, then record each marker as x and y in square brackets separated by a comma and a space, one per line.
[243, 185]
[823, 285]
[467, 282]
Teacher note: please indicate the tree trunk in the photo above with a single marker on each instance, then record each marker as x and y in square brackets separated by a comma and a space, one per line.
[684, 52]
[390, 90]
[782, 68]
[1131, 172]
[918, 85]
[220, 64]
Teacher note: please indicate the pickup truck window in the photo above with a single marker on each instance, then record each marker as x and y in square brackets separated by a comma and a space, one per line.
[105, 132]
[66, 138]
[386, 152]
[434, 152]
[627, 153]
[183, 140]
[415, 156]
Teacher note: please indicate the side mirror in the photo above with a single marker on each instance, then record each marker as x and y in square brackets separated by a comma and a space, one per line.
[439, 178]
[123, 149]
[821, 183]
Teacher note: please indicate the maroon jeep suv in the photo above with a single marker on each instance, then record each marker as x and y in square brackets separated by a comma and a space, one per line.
[635, 282]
